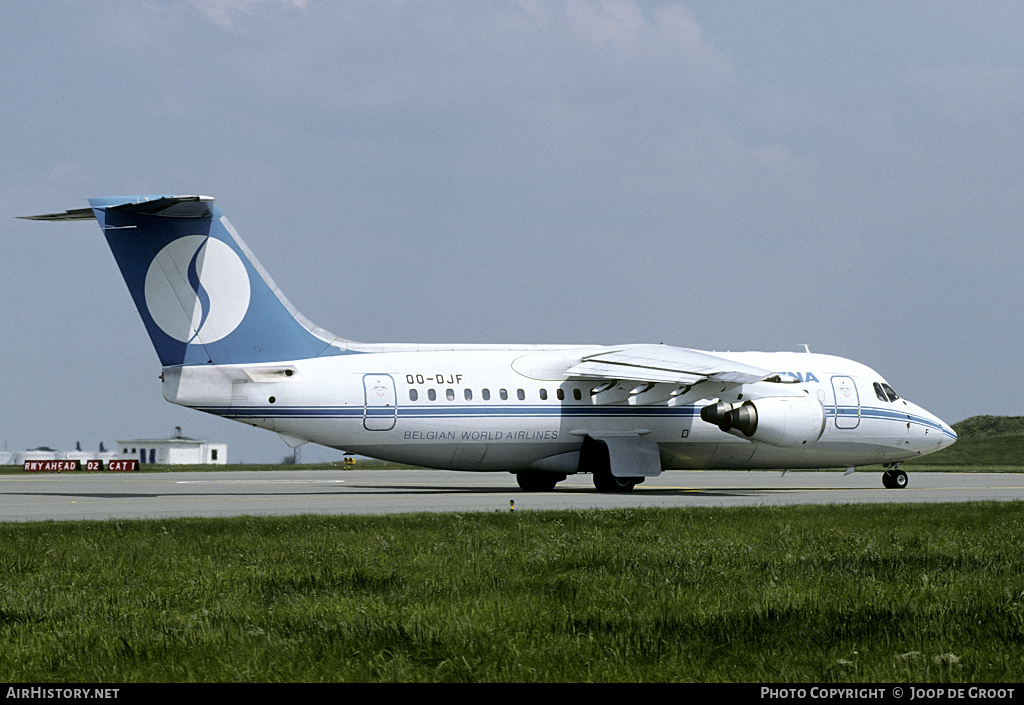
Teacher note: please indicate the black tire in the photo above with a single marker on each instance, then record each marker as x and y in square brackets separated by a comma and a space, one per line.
[606, 482]
[538, 481]
[894, 479]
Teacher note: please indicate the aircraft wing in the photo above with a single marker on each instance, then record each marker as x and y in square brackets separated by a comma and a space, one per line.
[663, 364]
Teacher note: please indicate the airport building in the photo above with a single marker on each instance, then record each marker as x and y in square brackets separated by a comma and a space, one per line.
[177, 450]
[173, 451]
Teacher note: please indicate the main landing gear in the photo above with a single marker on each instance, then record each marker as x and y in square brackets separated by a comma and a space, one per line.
[893, 478]
[596, 458]
[537, 481]
[604, 481]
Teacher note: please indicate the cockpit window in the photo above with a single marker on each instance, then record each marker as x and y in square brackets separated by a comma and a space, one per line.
[884, 392]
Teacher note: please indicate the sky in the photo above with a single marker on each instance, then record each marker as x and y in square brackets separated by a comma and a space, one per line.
[716, 175]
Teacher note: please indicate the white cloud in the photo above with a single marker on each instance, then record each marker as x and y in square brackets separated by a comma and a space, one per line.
[225, 13]
[670, 36]
[967, 93]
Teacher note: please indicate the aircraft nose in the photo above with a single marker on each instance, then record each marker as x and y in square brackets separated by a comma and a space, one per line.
[948, 435]
[937, 429]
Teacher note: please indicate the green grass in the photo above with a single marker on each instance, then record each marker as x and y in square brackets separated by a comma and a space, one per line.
[999, 451]
[838, 594]
[989, 426]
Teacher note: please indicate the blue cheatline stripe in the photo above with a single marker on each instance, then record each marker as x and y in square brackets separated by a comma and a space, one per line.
[485, 411]
[441, 411]
[877, 413]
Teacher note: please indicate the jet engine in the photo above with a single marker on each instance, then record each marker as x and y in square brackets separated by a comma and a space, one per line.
[784, 422]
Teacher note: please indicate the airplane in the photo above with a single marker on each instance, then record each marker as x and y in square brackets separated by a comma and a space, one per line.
[231, 344]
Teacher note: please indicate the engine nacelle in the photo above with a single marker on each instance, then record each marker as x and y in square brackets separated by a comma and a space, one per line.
[785, 422]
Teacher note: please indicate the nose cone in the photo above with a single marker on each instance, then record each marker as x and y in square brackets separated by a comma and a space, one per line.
[948, 435]
[926, 433]
[937, 430]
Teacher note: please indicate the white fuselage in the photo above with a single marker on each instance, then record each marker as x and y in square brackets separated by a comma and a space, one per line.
[512, 409]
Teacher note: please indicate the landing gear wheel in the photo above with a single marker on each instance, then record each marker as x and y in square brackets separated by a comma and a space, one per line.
[606, 482]
[894, 479]
[538, 481]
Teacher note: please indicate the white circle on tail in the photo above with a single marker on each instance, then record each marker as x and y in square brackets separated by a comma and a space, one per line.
[197, 289]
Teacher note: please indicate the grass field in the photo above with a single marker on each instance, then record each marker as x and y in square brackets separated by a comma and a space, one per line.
[874, 594]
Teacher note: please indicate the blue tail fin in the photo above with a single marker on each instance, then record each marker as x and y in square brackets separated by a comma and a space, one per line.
[202, 295]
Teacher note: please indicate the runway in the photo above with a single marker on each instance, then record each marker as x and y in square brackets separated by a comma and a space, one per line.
[104, 496]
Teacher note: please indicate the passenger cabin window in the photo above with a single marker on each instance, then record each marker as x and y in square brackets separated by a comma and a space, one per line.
[520, 394]
[431, 395]
[450, 394]
[543, 395]
[560, 394]
[469, 395]
[577, 394]
[486, 394]
[413, 395]
[503, 394]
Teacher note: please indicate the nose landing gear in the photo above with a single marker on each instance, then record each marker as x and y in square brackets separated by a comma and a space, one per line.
[893, 478]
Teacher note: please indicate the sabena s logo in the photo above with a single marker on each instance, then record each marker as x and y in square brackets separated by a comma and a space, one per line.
[197, 289]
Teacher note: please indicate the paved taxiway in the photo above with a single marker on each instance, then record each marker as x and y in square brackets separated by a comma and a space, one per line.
[268, 493]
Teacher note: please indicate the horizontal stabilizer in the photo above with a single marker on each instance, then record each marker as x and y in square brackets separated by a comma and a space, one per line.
[164, 206]
[76, 214]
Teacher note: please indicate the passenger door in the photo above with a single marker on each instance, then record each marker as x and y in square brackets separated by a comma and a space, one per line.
[381, 406]
[847, 402]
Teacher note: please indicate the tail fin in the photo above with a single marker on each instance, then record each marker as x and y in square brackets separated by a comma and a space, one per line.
[203, 296]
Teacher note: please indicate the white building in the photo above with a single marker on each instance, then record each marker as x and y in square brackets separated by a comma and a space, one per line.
[163, 451]
[173, 451]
